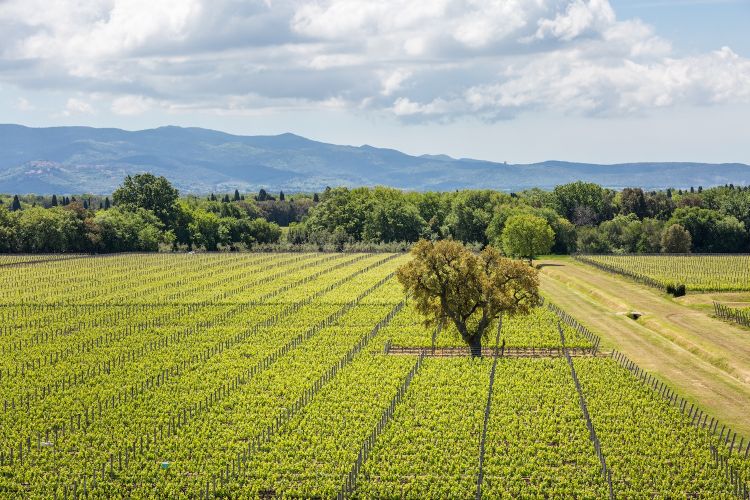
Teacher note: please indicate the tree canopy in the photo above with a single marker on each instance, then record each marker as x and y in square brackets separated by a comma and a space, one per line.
[150, 193]
[450, 283]
[527, 236]
[676, 239]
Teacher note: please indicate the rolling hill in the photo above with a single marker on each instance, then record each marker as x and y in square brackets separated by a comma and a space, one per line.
[95, 160]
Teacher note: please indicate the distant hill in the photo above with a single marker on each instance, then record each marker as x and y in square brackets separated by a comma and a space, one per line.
[95, 160]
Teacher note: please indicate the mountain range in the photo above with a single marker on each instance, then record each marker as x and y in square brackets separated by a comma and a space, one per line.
[69, 160]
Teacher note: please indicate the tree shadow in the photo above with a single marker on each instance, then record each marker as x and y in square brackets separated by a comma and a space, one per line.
[540, 266]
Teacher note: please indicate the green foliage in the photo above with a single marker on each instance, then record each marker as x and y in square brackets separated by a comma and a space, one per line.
[122, 231]
[527, 236]
[49, 230]
[711, 231]
[676, 289]
[649, 445]
[451, 284]
[430, 448]
[209, 230]
[148, 192]
[268, 373]
[583, 216]
[16, 204]
[676, 239]
[9, 235]
[696, 272]
[471, 213]
[583, 203]
[343, 210]
[392, 218]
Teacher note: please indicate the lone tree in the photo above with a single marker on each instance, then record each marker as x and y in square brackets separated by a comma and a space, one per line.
[451, 283]
[527, 236]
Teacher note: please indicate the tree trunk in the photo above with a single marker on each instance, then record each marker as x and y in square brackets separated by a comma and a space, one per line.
[475, 346]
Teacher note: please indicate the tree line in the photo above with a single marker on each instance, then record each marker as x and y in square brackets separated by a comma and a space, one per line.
[146, 213]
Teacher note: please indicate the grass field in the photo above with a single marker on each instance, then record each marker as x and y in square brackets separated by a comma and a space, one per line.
[262, 375]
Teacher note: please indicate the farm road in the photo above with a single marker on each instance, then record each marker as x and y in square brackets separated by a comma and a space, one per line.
[706, 360]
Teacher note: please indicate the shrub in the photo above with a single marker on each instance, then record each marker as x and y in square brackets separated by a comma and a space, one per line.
[676, 289]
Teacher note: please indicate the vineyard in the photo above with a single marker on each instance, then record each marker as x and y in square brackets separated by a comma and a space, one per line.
[741, 316]
[311, 375]
[696, 272]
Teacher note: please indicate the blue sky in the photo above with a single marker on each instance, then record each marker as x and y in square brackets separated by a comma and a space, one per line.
[506, 80]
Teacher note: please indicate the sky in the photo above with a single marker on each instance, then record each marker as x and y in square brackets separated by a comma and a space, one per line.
[505, 80]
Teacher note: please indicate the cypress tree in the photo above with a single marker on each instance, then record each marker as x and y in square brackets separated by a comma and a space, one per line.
[106, 203]
[225, 199]
[316, 198]
[281, 195]
[236, 195]
[213, 197]
[54, 200]
[16, 205]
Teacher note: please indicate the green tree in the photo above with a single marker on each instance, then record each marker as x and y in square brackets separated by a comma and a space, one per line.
[676, 239]
[583, 203]
[449, 283]
[592, 241]
[342, 209]
[208, 230]
[9, 231]
[148, 192]
[392, 218]
[659, 205]
[711, 231]
[125, 231]
[633, 201]
[257, 231]
[527, 236]
[15, 204]
[236, 195]
[433, 208]
[50, 230]
[565, 231]
[471, 213]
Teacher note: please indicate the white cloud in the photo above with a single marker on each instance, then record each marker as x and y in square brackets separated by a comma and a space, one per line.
[432, 60]
[75, 106]
[579, 17]
[130, 105]
[23, 104]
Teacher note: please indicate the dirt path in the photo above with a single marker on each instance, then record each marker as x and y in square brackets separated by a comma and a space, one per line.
[704, 359]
